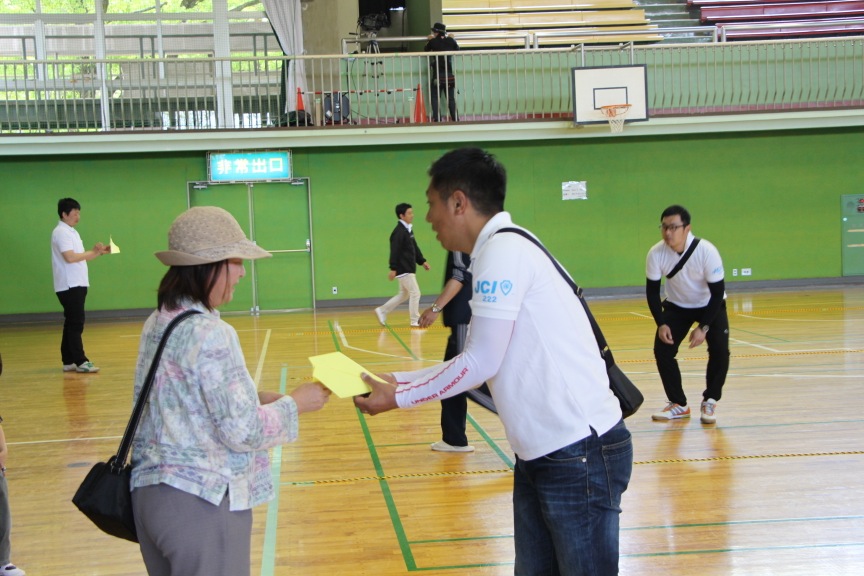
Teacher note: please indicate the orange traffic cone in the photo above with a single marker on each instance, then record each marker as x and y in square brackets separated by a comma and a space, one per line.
[303, 118]
[300, 106]
[419, 107]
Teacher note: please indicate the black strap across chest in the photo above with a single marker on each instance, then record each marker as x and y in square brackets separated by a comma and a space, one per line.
[683, 259]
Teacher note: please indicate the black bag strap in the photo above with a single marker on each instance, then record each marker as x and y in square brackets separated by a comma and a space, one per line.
[126, 443]
[683, 259]
[605, 352]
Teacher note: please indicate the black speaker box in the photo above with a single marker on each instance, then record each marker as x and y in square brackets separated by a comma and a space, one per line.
[337, 108]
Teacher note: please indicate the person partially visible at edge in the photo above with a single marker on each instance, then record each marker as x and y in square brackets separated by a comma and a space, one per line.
[531, 340]
[442, 78]
[200, 461]
[405, 255]
[69, 264]
[694, 295]
[454, 305]
[7, 568]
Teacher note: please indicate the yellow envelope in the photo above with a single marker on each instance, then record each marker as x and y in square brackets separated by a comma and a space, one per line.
[340, 374]
[114, 248]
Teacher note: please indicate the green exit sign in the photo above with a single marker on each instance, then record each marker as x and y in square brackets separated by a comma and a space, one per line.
[265, 166]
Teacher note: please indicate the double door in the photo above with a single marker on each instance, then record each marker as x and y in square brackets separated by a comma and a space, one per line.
[277, 217]
[852, 234]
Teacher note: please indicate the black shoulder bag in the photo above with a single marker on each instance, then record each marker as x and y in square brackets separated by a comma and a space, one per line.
[105, 495]
[629, 396]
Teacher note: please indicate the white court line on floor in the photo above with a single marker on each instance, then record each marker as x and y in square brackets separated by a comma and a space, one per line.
[261, 358]
[642, 315]
[787, 375]
[753, 375]
[138, 334]
[769, 349]
[794, 351]
[741, 315]
[344, 339]
[64, 440]
[258, 369]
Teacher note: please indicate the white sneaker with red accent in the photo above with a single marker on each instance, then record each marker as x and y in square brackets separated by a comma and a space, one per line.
[708, 408]
[672, 411]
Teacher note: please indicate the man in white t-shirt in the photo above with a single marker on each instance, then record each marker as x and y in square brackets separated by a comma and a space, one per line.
[69, 263]
[695, 294]
[531, 340]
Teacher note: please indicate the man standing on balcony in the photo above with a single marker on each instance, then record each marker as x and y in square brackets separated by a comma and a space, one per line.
[69, 262]
[695, 293]
[442, 80]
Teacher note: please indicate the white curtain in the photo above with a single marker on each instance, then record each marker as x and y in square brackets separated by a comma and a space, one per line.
[284, 16]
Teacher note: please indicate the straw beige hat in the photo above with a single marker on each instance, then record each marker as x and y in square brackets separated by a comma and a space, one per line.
[207, 234]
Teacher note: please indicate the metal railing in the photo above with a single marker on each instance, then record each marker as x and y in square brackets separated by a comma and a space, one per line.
[825, 25]
[690, 32]
[80, 95]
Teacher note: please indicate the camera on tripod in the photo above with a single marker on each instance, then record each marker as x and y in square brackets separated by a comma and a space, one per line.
[374, 22]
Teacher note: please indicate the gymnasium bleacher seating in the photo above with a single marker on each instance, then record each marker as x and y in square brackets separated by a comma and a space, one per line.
[469, 20]
[805, 19]
[781, 11]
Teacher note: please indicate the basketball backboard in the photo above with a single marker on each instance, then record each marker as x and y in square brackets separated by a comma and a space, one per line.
[594, 87]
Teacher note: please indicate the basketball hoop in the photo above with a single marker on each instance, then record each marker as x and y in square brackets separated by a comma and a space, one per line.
[615, 113]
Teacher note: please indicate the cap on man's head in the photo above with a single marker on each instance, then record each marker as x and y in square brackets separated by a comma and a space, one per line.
[439, 27]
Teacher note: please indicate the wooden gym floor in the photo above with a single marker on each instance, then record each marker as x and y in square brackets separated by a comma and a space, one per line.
[775, 487]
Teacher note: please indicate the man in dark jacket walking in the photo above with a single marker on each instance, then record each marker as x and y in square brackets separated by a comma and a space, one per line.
[405, 255]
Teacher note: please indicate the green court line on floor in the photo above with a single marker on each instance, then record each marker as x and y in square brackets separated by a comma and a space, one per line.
[504, 458]
[389, 329]
[268, 553]
[739, 329]
[465, 539]
[742, 549]
[407, 554]
[744, 522]
[492, 442]
[462, 567]
[404, 543]
[666, 429]
[750, 457]
[635, 463]
[402, 343]
[395, 477]
[680, 526]
[474, 423]
[333, 336]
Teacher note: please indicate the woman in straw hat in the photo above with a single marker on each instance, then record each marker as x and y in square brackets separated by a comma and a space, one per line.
[200, 461]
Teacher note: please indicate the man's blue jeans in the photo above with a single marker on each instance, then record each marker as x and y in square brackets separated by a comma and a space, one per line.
[566, 506]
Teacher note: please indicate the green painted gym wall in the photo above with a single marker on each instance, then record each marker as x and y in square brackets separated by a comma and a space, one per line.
[768, 200]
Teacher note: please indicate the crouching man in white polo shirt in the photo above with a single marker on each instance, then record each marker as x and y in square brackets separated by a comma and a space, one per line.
[695, 294]
[530, 339]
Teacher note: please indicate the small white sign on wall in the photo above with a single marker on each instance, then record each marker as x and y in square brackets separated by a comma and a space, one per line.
[574, 190]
